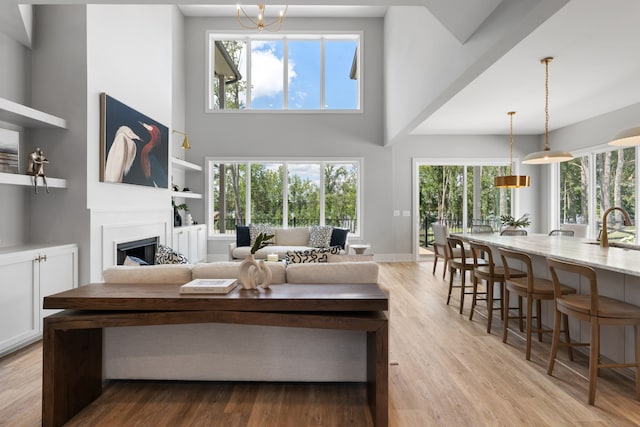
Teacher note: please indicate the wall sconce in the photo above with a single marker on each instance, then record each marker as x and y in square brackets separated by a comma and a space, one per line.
[185, 142]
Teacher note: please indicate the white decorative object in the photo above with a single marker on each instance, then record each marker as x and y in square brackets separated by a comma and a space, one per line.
[189, 219]
[251, 271]
[272, 257]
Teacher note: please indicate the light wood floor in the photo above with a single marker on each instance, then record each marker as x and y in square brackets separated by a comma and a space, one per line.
[445, 371]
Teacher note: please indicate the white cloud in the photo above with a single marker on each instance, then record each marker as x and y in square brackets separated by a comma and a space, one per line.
[266, 72]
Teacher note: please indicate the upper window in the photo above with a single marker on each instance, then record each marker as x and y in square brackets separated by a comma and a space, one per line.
[284, 72]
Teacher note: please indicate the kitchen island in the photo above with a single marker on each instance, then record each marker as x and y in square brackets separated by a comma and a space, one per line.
[618, 271]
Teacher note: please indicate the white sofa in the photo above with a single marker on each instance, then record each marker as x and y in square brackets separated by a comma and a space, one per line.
[225, 352]
[284, 240]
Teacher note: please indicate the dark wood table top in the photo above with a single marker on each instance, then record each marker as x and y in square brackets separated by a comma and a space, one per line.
[167, 297]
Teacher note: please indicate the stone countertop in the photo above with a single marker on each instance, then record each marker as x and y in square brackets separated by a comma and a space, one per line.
[578, 250]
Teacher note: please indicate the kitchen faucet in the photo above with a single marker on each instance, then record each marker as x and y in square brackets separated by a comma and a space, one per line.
[604, 238]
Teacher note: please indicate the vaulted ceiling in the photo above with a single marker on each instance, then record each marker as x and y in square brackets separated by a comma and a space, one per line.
[595, 44]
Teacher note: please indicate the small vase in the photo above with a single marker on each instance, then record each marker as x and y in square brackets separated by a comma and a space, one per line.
[251, 271]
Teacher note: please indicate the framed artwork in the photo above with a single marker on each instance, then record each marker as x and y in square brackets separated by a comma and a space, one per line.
[9, 151]
[134, 148]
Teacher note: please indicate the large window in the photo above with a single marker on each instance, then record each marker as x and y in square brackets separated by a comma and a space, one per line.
[284, 72]
[291, 193]
[594, 182]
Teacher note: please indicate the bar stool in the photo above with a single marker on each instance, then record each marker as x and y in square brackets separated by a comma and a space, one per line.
[440, 246]
[597, 310]
[534, 289]
[463, 262]
[485, 269]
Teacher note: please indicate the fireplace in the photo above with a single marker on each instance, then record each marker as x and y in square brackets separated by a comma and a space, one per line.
[145, 249]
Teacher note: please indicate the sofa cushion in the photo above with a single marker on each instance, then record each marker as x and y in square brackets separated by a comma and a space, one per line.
[320, 236]
[333, 273]
[256, 229]
[166, 255]
[230, 269]
[243, 238]
[167, 273]
[311, 255]
[339, 237]
[350, 258]
[297, 236]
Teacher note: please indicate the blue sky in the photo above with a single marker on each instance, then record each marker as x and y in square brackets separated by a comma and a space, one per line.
[303, 74]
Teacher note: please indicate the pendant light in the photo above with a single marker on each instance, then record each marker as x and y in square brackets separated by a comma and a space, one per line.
[547, 156]
[627, 138]
[511, 181]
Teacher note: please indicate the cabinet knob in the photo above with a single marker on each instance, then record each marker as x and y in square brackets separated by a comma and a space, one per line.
[41, 258]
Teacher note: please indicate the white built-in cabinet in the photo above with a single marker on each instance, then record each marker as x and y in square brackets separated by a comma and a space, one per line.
[191, 241]
[27, 274]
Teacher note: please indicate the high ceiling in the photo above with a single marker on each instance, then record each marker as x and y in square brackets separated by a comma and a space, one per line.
[595, 45]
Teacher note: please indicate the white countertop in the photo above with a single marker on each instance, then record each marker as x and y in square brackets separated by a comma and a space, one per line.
[567, 248]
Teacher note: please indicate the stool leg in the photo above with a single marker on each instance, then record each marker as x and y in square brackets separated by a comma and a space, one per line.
[555, 342]
[463, 275]
[520, 313]
[450, 284]
[502, 300]
[567, 335]
[636, 328]
[475, 296]
[529, 326]
[505, 309]
[446, 263]
[594, 359]
[539, 318]
[489, 305]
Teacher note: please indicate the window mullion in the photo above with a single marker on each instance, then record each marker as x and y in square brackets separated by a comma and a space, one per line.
[285, 195]
[285, 74]
[322, 195]
[247, 196]
[249, 54]
[322, 72]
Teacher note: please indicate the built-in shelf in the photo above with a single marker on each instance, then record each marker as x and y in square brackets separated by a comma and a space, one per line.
[186, 194]
[184, 165]
[27, 180]
[21, 115]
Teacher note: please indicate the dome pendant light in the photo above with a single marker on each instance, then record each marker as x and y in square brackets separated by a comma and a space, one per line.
[511, 181]
[547, 156]
[627, 138]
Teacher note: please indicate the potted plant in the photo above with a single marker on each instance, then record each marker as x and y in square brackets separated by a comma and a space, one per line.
[251, 270]
[510, 222]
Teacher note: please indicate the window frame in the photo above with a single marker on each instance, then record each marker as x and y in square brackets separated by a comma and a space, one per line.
[285, 161]
[212, 36]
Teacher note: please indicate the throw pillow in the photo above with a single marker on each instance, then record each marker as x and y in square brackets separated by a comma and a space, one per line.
[256, 229]
[166, 255]
[243, 238]
[339, 237]
[311, 255]
[320, 236]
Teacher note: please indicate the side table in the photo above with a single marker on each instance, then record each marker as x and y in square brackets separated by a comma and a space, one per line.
[360, 249]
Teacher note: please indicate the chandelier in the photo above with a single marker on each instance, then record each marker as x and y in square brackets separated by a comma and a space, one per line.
[511, 181]
[259, 22]
[547, 156]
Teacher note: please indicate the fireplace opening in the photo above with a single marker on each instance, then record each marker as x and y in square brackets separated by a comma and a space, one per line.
[144, 249]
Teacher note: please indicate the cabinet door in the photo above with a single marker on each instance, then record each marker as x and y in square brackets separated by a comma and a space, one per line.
[58, 272]
[202, 243]
[18, 291]
[181, 241]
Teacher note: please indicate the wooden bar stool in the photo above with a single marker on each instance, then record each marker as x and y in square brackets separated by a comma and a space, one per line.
[485, 269]
[597, 310]
[534, 289]
[461, 260]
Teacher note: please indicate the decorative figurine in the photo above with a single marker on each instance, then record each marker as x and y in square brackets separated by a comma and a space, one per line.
[35, 168]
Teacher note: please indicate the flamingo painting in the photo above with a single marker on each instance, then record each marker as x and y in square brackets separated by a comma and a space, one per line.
[135, 148]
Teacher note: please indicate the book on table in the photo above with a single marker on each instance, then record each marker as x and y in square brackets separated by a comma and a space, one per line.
[209, 286]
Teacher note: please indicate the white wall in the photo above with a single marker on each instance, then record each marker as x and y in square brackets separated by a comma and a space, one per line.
[130, 56]
[280, 135]
[15, 80]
